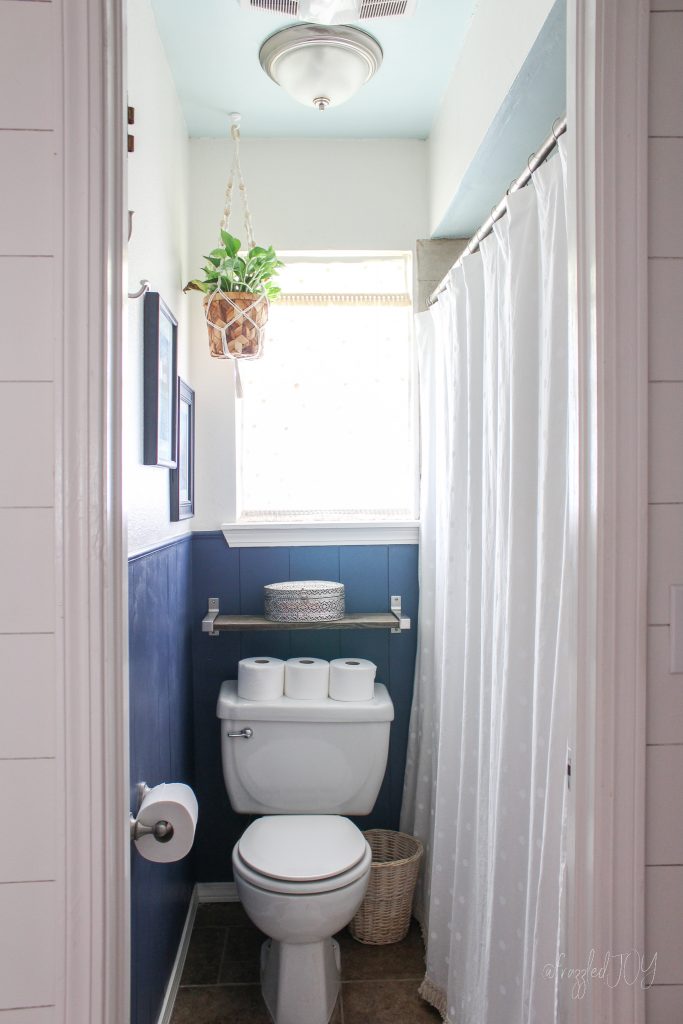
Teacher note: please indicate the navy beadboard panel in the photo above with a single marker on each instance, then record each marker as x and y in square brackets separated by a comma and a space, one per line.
[161, 750]
[370, 575]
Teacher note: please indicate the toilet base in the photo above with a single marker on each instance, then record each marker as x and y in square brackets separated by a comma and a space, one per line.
[300, 982]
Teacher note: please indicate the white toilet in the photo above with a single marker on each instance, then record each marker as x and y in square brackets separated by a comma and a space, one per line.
[301, 872]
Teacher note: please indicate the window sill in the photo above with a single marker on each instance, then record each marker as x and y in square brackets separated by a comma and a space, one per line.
[276, 535]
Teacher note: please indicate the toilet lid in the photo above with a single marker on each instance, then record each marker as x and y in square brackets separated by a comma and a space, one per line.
[302, 847]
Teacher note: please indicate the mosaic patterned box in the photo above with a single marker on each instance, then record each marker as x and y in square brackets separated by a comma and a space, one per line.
[303, 601]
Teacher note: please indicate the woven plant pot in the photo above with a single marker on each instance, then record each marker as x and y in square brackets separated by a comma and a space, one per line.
[236, 322]
[384, 915]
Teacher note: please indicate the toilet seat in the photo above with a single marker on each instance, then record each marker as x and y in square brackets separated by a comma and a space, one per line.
[301, 847]
[302, 854]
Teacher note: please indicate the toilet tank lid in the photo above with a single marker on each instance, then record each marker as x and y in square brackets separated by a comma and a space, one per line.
[284, 709]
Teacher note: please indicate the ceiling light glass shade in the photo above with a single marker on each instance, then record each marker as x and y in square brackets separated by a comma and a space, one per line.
[319, 66]
[329, 12]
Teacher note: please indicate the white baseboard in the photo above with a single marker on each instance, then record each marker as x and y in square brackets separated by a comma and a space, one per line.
[203, 892]
[176, 974]
[216, 892]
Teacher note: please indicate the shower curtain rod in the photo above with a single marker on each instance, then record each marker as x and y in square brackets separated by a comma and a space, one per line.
[534, 161]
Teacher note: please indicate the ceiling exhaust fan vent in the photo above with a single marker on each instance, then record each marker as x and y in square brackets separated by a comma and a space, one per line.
[289, 7]
[385, 9]
[368, 9]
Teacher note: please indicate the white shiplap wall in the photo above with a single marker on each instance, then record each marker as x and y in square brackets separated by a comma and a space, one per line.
[158, 192]
[664, 838]
[31, 770]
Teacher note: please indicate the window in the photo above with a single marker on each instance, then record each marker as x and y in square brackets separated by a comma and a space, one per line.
[327, 424]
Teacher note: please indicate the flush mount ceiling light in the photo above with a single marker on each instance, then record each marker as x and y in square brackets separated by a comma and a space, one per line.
[321, 66]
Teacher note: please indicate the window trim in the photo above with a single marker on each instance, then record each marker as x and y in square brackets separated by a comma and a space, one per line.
[275, 535]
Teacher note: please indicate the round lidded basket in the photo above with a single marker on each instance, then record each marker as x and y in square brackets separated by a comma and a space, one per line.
[384, 914]
[303, 601]
[236, 322]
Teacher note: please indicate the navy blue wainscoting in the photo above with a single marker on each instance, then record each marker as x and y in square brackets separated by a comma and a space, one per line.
[237, 576]
[161, 750]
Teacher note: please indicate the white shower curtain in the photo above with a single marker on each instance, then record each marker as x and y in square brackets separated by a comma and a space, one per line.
[486, 781]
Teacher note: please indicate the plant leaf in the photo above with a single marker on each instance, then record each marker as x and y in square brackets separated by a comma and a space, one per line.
[227, 270]
[195, 286]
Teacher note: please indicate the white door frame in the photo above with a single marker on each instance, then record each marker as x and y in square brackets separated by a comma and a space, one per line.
[96, 947]
[607, 109]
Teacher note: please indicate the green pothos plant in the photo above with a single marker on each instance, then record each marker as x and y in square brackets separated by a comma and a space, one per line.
[227, 271]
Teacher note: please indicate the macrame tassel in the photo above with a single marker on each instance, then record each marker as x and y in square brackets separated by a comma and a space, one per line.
[238, 380]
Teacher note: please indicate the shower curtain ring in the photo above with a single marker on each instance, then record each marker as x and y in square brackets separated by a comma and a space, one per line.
[558, 120]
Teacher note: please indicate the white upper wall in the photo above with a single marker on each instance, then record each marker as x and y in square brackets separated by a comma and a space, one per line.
[303, 195]
[313, 194]
[498, 42]
[157, 192]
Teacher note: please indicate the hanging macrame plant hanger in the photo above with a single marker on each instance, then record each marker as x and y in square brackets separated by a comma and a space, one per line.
[236, 321]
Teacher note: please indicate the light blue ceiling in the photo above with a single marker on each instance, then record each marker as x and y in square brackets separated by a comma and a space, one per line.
[213, 45]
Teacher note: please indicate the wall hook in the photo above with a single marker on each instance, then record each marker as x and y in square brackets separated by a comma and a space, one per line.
[144, 287]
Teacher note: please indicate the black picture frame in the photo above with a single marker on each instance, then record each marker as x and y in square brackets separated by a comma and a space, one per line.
[160, 389]
[182, 477]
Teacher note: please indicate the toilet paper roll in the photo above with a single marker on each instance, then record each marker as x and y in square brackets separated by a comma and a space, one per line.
[260, 678]
[352, 679]
[307, 678]
[176, 804]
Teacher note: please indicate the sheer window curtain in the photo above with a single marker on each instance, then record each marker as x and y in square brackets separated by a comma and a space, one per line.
[486, 782]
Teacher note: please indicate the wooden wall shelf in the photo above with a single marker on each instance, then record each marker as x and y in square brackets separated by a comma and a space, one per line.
[214, 623]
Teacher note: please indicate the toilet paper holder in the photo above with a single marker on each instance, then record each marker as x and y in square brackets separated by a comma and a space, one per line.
[161, 830]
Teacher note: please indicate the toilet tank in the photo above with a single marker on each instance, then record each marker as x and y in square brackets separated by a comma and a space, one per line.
[304, 757]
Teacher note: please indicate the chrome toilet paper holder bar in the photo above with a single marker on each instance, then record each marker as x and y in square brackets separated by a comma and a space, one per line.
[161, 830]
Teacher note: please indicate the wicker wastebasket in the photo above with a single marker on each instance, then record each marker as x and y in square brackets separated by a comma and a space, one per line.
[384, 915]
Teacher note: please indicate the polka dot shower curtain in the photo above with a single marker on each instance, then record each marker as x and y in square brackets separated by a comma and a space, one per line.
[486, 783]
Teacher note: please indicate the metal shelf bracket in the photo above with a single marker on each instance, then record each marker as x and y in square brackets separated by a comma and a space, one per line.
[210, 617]
[401, 621]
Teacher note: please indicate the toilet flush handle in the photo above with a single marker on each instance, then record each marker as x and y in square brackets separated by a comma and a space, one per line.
[243, 734]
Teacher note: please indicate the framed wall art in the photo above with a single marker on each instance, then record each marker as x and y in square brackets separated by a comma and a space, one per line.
[182, 477]
[160, 375]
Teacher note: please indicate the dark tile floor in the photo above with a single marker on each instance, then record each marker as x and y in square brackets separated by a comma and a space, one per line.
[220, 980]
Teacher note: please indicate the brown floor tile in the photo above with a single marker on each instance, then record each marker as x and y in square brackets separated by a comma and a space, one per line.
[220, 1004]
[221, 975]
[385, 1002]
[204, 957]
[218, 914]
[227, 1004]
[243, 942]
[239, 972]
[401, 960]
